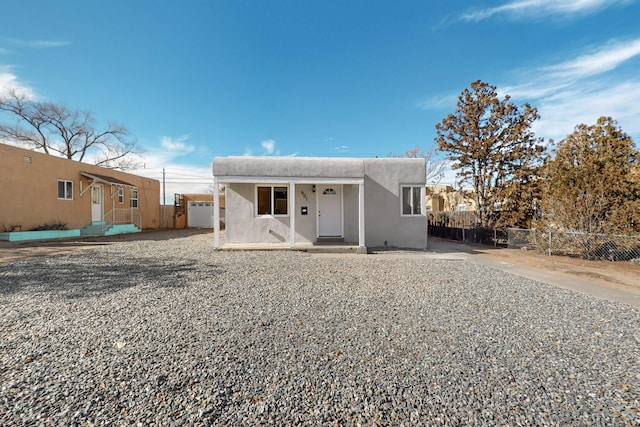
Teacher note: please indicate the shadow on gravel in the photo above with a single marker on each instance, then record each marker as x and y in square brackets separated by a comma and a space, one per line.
[97, 276]
[154, 235]
[147, 235]
[444, 246]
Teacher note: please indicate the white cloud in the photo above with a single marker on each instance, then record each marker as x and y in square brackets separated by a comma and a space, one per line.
[603, 59]
[39, 43]
[583, 88]
[9, 81]
[341, 149]
[268, 149]
[269, 146]
[439, 101]
[528, 9]
[561, 112]
[179, 178]
[598, 81]
[176, 145]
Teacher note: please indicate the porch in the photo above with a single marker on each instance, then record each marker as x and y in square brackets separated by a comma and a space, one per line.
[116, 221]
[332, 247]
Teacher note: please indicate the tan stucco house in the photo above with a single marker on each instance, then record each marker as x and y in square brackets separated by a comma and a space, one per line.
[38, 189]
[446, 198]
[304, 201]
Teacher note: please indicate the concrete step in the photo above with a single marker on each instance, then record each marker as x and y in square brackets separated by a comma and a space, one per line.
[95, 229]
[329, 240]
[91, 230]
[121, 229]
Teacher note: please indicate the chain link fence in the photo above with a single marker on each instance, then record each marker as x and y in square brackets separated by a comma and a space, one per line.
[574, 244]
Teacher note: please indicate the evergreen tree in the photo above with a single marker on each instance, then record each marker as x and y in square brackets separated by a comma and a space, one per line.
[592, 183]
[491, 144]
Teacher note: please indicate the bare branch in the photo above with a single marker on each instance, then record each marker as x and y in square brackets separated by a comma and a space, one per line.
[73, 134]
[435, 166]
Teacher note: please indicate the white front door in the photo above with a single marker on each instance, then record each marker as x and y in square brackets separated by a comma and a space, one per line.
[96, 203]
[329, 210]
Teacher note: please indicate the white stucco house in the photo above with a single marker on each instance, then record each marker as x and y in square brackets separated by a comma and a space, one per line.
[305, 201]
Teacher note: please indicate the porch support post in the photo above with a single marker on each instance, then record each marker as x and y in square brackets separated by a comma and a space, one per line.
[216, 214]
[292, 214]
[362, 248]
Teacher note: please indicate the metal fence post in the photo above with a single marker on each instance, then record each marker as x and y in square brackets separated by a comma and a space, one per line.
[549, 242]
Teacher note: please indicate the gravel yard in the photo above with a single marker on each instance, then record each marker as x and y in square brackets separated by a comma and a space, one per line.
[169, 332]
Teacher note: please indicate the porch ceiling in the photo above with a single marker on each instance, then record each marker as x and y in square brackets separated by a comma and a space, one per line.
[106, 179]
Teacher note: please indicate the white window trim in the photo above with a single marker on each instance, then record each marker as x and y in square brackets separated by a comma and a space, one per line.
[70, 196]
[422, 199]
[272, 186]
[121, 195]
[132, 199]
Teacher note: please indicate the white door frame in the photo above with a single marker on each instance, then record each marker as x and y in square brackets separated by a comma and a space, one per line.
[97, 208]
[319, 190]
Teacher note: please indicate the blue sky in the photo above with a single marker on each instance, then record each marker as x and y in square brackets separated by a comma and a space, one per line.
[196, 79]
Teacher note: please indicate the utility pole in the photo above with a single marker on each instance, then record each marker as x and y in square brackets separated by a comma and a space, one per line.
[164, 198]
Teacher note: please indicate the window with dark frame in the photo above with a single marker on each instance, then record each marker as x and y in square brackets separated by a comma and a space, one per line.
[279, 200]
[272, 200]
[411, 200]
[65, 189]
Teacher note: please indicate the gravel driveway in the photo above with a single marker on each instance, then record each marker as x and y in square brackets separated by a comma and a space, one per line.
[169, 332]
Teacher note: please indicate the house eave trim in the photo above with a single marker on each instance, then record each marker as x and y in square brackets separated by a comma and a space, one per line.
[285, 180]
[103, 179]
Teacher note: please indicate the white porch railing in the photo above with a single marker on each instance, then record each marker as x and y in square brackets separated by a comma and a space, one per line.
[122, 216]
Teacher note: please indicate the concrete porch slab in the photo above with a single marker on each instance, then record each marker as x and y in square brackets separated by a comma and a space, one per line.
[302, 247]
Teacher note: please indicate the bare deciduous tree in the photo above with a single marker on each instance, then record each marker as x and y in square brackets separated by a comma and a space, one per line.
[435, 166]
[55, 129]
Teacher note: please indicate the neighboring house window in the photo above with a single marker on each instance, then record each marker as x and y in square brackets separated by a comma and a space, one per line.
[121, 195]
[134, 198]
[412, 200]
[65, 190]
[272, 200]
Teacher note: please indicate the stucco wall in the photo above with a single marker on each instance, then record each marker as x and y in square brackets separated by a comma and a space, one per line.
[306, 225]
[351, 216]
[383, 220]
[244, 226]
[383, 178]
[29, 191]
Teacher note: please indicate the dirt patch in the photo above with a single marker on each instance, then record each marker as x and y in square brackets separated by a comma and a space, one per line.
[620, 275]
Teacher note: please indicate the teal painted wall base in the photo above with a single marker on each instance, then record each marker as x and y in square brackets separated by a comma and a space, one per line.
[18, 236]
[92, 230]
